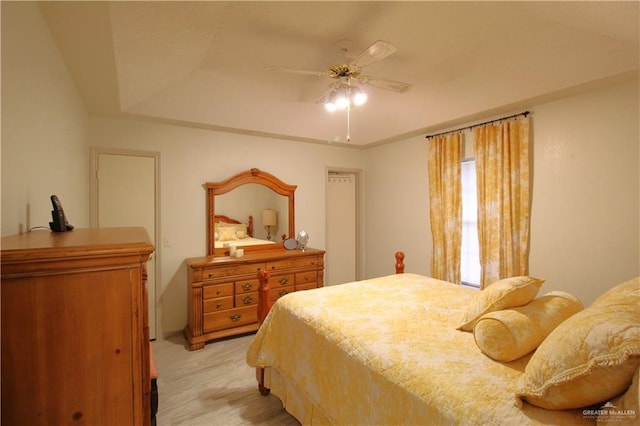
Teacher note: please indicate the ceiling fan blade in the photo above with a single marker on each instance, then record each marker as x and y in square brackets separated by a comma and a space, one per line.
[383, 83]
[294, 71]
[375, 53]
[322, 99]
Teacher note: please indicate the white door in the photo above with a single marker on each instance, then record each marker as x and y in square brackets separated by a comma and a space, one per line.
[341, 258]
[125, 195]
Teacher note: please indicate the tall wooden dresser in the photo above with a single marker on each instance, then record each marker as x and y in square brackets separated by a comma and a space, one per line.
[75, 336]
[223, 291]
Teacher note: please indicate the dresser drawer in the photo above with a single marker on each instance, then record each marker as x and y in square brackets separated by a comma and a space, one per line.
[217, 304]
[217, 290]
[306, 277]
[306, 286]
[277, 292]
[247, 286]
[297, 262]
[229, 319]
[232, 270]
[246, 299]
[281, 280]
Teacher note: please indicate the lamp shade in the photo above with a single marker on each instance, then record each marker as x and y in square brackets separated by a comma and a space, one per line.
[269, 217]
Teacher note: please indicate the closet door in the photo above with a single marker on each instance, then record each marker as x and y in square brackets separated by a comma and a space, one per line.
[341, 256]
[126, 195]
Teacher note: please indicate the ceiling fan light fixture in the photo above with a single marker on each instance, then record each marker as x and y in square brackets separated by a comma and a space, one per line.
[343, 101]
[330, 104]
[359, 97]
[344, 97]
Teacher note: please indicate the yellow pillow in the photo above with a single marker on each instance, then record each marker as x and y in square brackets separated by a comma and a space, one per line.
[226, 233]
[230, 231]
[241, 230]
[623, 410]
[512, 333]
[588, 359]
[619, 293]
[503, 294]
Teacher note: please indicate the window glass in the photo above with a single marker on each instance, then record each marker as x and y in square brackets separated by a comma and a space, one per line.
[470, 260]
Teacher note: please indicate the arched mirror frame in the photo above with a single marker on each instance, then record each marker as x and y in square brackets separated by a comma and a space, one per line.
[250, 176]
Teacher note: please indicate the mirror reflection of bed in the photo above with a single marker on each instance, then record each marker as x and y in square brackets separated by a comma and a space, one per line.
[231, 232]
[251, 200]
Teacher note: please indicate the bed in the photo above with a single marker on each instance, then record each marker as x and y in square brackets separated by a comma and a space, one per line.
[232, 232]
[391, 350]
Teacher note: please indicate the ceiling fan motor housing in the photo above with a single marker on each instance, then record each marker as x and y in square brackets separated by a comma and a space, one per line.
[343, 70]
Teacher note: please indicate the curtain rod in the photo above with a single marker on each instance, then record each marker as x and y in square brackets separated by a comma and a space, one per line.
[525, 113]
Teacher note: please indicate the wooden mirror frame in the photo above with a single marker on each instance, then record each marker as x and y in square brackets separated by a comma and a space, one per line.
[250, 176]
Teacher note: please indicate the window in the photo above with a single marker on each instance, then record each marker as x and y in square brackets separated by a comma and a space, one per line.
[470, 259]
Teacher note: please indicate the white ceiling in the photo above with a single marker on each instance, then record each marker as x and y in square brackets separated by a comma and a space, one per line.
[203, 63]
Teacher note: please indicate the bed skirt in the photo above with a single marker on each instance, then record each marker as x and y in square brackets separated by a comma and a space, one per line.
[294, 399]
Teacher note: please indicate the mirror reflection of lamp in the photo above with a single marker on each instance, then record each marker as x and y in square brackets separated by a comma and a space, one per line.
[269, 219]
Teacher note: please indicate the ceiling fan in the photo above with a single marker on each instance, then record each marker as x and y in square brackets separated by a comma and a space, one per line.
[346, 73]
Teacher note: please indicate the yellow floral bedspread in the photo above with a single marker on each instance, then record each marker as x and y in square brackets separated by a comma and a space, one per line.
[386, 351]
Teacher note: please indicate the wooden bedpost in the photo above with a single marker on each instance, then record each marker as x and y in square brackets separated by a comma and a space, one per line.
[250, 226]
[264, 391]
[399, 262]
[264, 303]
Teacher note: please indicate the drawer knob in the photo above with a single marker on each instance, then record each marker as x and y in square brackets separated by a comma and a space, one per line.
[247, 300]
[273, 267]
[283, 280]
[218, 305]
[247, 286]
[218, 292]
[283, 292]
[210, 274]
[235, 317]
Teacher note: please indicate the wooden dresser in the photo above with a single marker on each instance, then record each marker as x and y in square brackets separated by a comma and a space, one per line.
[75, 336]
[223, 291]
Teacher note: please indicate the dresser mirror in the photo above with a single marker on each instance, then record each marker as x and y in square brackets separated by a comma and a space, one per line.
[251, 210]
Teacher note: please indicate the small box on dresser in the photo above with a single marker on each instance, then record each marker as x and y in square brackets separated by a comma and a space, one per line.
[223, 291]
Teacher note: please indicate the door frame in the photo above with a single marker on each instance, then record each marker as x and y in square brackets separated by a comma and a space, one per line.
[93, 209]
[359, 177]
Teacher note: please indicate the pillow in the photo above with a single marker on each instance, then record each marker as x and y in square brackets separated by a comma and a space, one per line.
[226, 233]
[230, 231]
[588, 359]
[623, 410]
[622, 291]
[512, 333]
[503, 294]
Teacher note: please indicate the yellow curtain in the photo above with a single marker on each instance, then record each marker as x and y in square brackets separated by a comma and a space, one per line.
[502, 168]
[445, 196]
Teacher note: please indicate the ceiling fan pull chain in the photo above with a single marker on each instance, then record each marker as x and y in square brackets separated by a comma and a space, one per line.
[348, 124]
